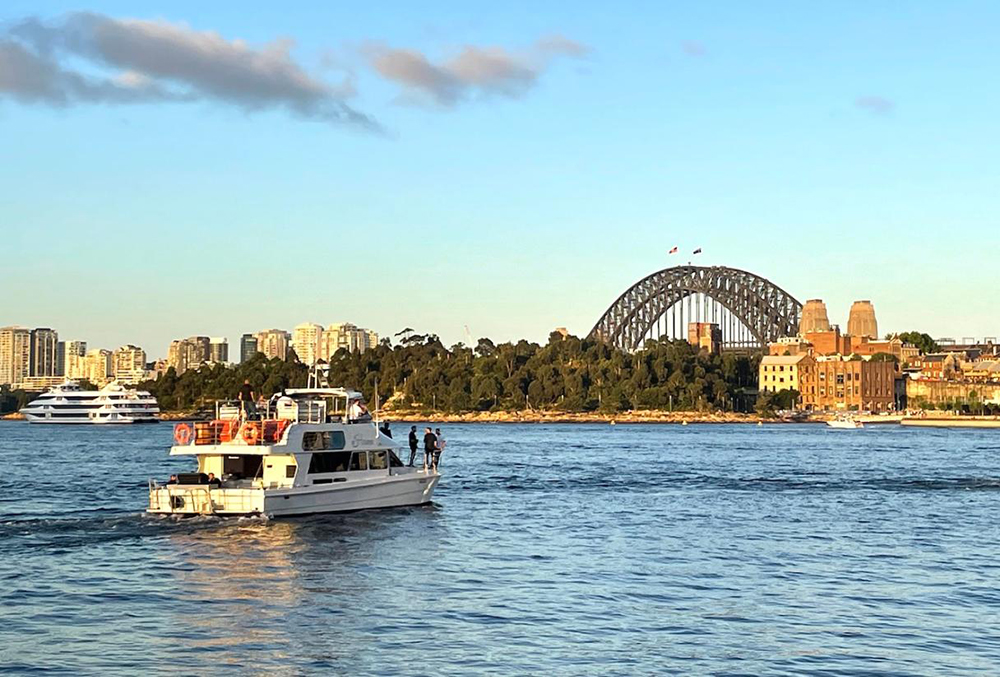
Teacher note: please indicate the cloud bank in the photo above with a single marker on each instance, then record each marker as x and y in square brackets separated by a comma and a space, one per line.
[91, 58]
[482, 71]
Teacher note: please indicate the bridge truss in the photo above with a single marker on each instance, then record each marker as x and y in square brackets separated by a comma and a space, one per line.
[750, 310]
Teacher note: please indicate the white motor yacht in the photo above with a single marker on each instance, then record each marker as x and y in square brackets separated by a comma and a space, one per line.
[314, 450]
[847, 422]
[114, 403]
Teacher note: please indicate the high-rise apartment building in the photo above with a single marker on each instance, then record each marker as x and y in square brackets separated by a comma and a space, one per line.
[128, 364]
[273, 343]
[15, 354]
[189, 353]
[348, 336]
[706, 336]
[306, 339]
[97, 366]
[44, 343]
[61, 358]
[73, 359]
[218, 351]
[248, 347]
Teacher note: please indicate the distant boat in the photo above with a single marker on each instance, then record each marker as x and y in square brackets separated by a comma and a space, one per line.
[845, 422]
[112, 404]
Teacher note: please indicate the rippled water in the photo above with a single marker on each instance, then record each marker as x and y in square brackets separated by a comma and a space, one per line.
[564, 549]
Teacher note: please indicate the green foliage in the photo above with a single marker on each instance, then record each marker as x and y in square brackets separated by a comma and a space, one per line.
[924, 342]
[770, 402]
[201, 387]
[567, 374]
[885, 357]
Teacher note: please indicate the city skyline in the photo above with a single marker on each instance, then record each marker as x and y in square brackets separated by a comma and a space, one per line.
[511, 200]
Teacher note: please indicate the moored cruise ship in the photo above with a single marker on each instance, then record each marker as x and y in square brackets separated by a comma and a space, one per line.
[113, 403]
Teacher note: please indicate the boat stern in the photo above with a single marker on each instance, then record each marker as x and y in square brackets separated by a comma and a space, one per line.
[203, 499]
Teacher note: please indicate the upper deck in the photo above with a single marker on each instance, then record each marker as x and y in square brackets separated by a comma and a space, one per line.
[298, 420]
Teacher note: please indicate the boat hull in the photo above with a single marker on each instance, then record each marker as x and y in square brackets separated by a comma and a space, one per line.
[395, 491]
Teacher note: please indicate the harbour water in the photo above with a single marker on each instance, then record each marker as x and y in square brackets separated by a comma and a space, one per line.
[557, 549]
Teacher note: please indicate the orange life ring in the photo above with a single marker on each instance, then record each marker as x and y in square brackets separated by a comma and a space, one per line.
[182, 434]
[250, 433]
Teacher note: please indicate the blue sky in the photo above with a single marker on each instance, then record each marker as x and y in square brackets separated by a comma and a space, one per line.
[845, 151]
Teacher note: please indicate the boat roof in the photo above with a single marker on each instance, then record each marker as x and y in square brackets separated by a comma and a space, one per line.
[324, 392]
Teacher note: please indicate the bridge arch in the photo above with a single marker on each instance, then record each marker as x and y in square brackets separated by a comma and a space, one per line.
[754, 310]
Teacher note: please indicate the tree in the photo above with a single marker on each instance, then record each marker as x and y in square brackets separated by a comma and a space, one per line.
[923, 342]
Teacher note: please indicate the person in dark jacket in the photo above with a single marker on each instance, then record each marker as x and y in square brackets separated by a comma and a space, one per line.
[430, 444]
[413, 444]
[248, 399]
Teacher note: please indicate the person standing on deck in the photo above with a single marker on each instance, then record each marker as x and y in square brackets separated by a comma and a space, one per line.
[430, 444]
[438, 447]
[413, 444]
[247, 399]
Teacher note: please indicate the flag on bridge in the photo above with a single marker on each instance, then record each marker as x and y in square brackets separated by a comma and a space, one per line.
[673, 251]
[697, 251]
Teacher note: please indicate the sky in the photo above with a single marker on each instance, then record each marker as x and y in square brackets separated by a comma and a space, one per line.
[182, 168]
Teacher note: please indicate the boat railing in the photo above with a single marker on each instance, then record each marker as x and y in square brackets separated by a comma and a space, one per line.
[202, 499]
[230, 431]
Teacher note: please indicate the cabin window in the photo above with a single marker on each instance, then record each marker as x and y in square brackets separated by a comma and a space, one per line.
[359, 461]
[243, 467]
[289, 471]
[329, 462]
[314, 440]
[394, 461]
[378, 460]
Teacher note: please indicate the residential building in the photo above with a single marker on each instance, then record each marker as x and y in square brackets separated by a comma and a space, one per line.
[348, 336]
[218, 350]
[73, 359]
[273, 343]
[849, 384]
[15, 354]
[97, 367]
[128, 364]
[40, 383]
[784, 372]
[306, 339]
[61, 358]
[790, 345]
[189, 353]
[706, 336]
[248, 347]
[44, 344]
[937, 365]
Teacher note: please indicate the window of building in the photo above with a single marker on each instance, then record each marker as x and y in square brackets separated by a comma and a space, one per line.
[840, 379]
[822, 376]
[329, 462]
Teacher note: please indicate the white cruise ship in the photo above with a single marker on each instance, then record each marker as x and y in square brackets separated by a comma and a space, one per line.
[113, 403]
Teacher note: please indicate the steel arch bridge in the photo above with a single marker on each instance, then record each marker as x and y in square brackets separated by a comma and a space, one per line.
[750, 310]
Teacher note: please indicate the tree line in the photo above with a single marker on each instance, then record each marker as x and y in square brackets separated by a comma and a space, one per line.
[566, 374]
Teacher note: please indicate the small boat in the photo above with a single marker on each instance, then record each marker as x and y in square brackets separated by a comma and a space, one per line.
[112, 404]
[313, 450]
[845, 422]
